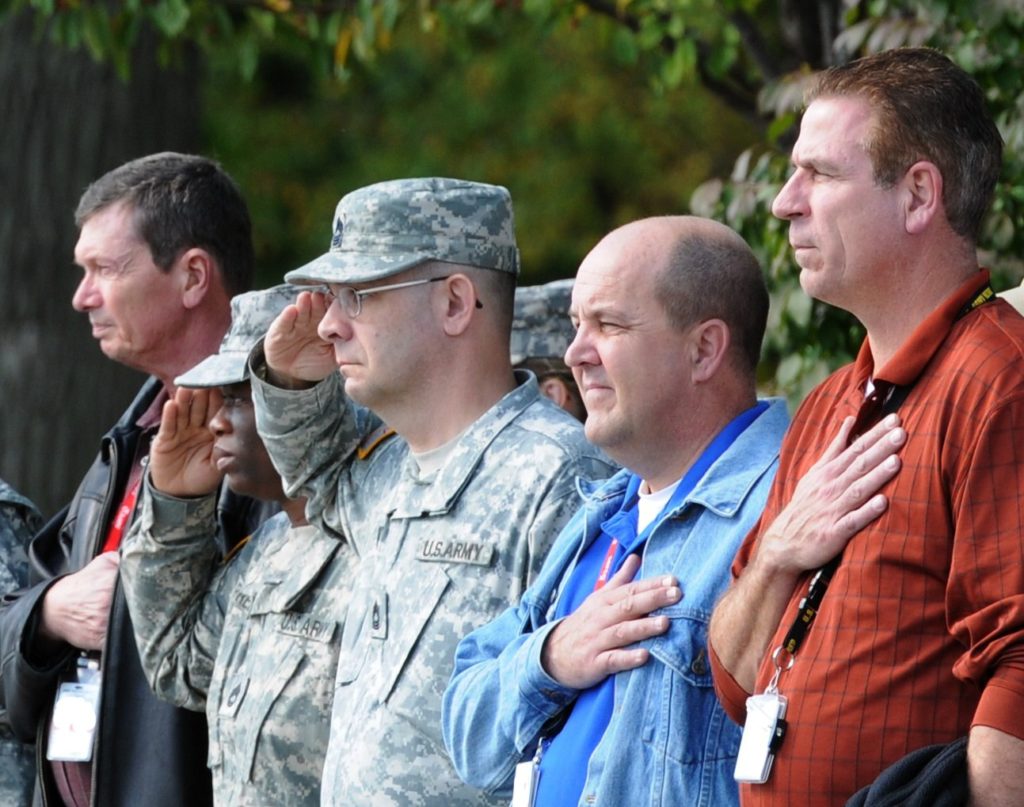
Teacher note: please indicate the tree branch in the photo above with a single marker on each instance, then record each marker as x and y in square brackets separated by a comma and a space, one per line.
[755, 45]
[612, 10]
[732, 91]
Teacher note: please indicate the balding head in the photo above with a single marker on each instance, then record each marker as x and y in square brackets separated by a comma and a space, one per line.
[669, 312]
[703, 270]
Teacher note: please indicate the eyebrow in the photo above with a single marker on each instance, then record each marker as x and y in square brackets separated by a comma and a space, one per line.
[600, 310]
[816, 162]
[103, 256]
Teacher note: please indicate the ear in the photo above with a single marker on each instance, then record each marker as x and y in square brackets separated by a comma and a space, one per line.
[709, 345]
[199, 273]
[923, 196]
[460, 301]
[555, 389]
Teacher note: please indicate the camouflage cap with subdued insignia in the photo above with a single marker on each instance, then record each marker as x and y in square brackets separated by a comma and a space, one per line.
[251, 315]
[541, 327]
[386, 228]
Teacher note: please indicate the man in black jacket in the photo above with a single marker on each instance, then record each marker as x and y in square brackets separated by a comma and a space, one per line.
[165, 242]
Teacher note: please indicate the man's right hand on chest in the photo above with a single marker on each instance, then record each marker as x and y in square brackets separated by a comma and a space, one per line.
[597, 639]
[76, 608]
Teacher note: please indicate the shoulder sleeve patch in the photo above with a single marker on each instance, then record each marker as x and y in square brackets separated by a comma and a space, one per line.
[370, 442]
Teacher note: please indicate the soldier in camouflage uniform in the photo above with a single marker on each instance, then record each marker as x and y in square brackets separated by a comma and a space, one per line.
[19, 521]
[452, 516]
[541, 333]
[255, 641]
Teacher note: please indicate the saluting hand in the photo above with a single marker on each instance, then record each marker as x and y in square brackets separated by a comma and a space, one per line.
[294, 351]
[181, 459]
[594, 641]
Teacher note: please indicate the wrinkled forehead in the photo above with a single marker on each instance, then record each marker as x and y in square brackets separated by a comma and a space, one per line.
[834, 129]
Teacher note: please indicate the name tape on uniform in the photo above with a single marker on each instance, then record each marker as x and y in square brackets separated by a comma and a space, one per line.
[453, 551]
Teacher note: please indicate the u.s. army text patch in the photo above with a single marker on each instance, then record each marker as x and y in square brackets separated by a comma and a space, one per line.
[307, 626]
[449, 550]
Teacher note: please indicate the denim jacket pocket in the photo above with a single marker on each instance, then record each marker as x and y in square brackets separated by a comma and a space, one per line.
[689, 724]
[683, 647]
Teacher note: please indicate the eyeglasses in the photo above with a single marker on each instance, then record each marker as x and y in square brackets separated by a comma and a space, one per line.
[351, 299]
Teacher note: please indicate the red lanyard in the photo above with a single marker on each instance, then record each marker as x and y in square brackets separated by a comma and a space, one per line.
[606, 566]
[124, 512]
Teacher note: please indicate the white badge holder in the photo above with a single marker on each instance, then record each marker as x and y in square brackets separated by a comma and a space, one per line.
[760, 738]
[763, 731]
[524, 787]
[75, 714]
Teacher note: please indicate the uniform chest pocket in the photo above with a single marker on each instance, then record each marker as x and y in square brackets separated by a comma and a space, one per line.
[412, 614]
[381, 631]
[242, 709]
[365, 621]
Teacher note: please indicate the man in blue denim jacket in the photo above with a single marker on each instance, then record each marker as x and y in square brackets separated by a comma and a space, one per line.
[598, 683]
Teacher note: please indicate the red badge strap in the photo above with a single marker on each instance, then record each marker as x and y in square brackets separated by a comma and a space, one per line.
[606, 566]
[124, 513]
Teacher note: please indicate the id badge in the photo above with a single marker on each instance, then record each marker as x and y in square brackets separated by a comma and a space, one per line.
[524, 787]
[74, 722]
[75, 712]
[763, 732]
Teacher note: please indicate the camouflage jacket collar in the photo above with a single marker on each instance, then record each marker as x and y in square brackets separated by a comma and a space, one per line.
[282, 581]
[438, 495]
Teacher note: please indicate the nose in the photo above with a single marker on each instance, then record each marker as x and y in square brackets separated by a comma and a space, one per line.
[790, 203]
[220, 424]
[335, 325]
[87, 295]
[581, 350]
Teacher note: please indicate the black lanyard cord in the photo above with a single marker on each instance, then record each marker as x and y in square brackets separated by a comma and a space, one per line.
[884, 399]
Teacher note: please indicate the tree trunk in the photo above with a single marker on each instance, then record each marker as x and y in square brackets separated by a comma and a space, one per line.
[65, 120]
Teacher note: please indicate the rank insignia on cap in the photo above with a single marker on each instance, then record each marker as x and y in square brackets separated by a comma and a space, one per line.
[339, 228]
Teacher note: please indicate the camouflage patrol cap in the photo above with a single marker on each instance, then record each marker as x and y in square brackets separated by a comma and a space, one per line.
[251, 315]
[541, 327]
[384, 229]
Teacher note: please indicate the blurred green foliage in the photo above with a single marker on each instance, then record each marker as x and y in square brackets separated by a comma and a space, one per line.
[580, 139]
[592, 112]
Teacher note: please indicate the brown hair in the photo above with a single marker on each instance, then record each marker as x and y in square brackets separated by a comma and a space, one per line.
[925, 108]
[181, 201]
[717, 278]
